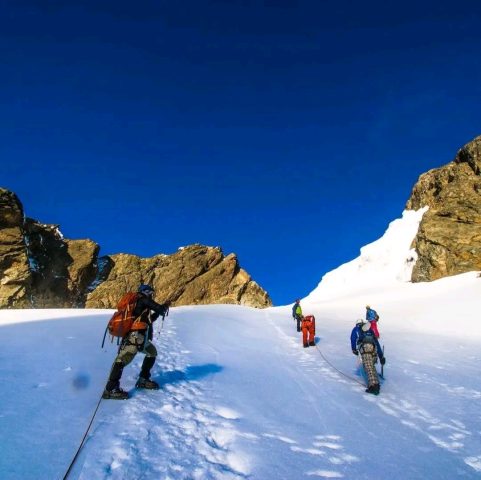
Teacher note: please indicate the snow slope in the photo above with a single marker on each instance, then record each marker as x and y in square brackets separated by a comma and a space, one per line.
[241, 398]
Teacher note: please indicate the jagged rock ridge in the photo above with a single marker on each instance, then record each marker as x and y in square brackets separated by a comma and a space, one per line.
[194, 275]
[448, 241]
[40, 268]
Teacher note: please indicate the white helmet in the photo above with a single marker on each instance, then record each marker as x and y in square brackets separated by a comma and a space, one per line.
[366, 326]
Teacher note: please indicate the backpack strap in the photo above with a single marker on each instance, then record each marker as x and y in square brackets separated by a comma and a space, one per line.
[138, 324]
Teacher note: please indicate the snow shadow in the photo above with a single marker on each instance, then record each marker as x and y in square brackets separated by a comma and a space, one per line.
[192, 373]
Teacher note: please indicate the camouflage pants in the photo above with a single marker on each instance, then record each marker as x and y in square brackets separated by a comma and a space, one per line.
[135, 341]
[368, 356]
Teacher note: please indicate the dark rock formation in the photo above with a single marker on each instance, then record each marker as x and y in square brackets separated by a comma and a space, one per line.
[449, 237]
[61, 269]
[40, 268]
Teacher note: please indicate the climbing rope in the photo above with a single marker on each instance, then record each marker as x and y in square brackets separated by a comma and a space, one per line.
[72, 463]
[83, 442]
[336, 369]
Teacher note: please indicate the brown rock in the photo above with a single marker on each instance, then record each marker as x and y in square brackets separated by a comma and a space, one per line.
[39, 268]
[14, 268]
[194, 275]
[82, 270]
[449, 238]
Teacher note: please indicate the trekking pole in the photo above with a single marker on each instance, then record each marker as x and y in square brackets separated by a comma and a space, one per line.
[105, 334]
[166, 314]
[382, 366]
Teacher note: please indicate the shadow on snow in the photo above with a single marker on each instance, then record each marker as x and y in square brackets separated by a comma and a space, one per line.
[195, 372]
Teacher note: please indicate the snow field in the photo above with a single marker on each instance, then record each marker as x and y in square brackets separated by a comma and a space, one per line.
[241, 398]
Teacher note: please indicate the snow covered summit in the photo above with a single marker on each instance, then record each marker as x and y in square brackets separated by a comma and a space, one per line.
[381, 264]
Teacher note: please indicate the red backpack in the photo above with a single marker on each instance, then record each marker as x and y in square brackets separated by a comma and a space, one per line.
[122, 320]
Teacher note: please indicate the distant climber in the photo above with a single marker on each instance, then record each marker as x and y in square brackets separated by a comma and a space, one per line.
[308, 331]
[138, 339]
[297, 313]
[373, 318]
[364, 341]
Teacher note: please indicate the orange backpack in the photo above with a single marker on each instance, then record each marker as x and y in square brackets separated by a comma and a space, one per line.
[312, 319]
[122, 320]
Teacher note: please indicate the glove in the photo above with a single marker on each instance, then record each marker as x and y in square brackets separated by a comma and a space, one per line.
[382, 360]
[355, 352]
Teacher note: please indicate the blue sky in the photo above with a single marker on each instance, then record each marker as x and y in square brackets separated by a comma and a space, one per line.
[290, 133]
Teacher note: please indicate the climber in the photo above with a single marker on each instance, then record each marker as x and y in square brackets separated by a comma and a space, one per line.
[364, 341]
[373, 318]
[308, 325]
[297, 313]
[138, 339]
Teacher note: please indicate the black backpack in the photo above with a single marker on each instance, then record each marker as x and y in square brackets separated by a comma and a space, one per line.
[366, 337]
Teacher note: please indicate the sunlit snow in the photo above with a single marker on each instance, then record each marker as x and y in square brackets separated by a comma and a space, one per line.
[241, 398]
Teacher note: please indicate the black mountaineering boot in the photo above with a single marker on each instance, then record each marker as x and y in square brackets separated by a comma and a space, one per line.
[115, 394]
[147, 384]
[374, 389]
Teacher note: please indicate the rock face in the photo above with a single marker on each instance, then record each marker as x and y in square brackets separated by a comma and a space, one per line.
[15, 276]
[449, 238]
[39, 268]
[61, 269]
[195, 275]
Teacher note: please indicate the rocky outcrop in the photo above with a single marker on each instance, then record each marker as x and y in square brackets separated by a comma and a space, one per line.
[448, 241]
[195, 275]
[61, 269]
[15, 276]
[40, 268]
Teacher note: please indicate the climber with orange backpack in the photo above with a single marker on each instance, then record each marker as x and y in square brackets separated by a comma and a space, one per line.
[308, 331]
[132, 322]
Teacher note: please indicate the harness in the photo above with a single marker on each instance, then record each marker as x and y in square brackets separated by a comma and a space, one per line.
[366, 343]
[139, 324]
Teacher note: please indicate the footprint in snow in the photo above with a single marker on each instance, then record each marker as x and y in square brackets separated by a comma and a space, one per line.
[446, 435]
[325, 474]
[281, 438]
[332, 443]
[474, 462]
[227, 413]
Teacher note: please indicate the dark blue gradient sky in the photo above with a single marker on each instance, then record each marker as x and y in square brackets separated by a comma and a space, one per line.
[290, 133]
